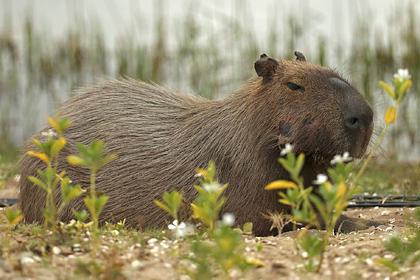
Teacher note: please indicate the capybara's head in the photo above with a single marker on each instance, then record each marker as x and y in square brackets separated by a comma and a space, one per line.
[319, 112]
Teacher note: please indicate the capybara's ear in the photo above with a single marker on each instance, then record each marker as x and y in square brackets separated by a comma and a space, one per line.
[300, 56]
[266, 67]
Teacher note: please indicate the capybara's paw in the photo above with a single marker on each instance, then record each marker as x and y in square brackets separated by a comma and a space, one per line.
[346, 224]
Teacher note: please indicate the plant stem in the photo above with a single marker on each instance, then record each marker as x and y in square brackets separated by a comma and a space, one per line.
[51, 203]
[375, 147]
[324, 246]
[94, 215]
[93, 197]
[93, 183]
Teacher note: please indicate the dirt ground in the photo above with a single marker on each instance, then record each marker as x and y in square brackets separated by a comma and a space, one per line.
[27, 253]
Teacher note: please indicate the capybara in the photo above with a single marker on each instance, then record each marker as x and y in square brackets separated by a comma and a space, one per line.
[161, 136]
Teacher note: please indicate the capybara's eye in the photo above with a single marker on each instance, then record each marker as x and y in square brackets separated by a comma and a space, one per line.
[294, 86]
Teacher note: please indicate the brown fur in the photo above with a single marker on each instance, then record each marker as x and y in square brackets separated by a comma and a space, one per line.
[161, 137]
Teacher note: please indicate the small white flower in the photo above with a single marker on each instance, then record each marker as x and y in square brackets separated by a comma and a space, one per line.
[104, 248]
[234, 274]
[136, 264]
[188, 230]
[174, 225]
[155, 250]
[402, 75]
[228, 219]
[181, 229]
[347, 157]
[165, 244]
[304, 254]
[49, 133]
[76, 247]
[26, 260]
[56, 250]
[16, 178]
[320, 179]
[71, 223]
[167, 265]
[388, 256]
[288, 148]
[152, 241]
[212, 187]
[341, 158]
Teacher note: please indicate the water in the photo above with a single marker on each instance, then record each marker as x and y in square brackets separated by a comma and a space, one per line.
[329, 18]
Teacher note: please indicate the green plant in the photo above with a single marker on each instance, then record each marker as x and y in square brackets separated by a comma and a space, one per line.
[321, 208]
[209, 202]
[206, 206]
[225, 251]
[217, 248]
[397, 91]
[92, 157]
[312, 244]
[49, 178]
[81, 215]
[405, 249]
[13, 216]
[171, 203]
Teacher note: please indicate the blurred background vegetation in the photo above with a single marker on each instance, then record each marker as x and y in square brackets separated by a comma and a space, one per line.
[198, 47]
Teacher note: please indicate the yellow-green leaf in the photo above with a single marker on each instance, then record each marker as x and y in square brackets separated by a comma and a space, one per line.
[39, 183]
[199, 214]
[197, 211]
[13, 215]
[393, 266]
[404, 88]
[285, 201]
[201, 172]
[327, 186]
[70, 192]
[161, 205]
[74, 160]
[54, 124]
[390, 115]
[247, 228]
[280, 184]
[341, 190]
[37, 143]
[39, 155]
[387, 88]
[255, 262]
[109, 158]
[58, 146]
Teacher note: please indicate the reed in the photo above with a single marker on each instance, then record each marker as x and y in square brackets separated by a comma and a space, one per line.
[39, 72]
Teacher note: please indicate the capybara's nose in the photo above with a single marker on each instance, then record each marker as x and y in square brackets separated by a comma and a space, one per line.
[357, 113]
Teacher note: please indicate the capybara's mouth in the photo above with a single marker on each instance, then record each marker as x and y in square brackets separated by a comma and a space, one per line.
[323, 151]
[319, 143]
[360, 143]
